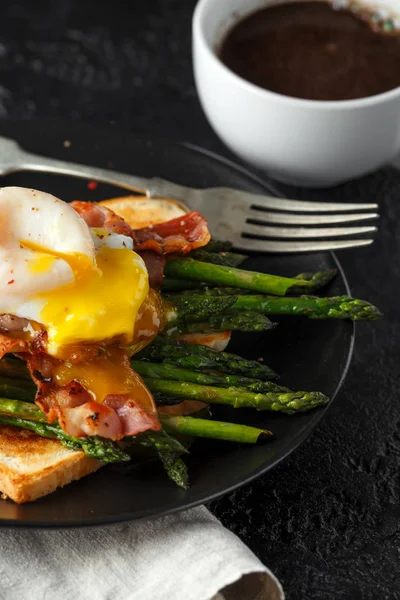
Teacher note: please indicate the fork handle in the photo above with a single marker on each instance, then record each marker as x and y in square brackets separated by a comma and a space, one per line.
[154, 187]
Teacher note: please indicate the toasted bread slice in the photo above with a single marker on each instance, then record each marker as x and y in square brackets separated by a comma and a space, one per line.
[32, 466]
[140, 211]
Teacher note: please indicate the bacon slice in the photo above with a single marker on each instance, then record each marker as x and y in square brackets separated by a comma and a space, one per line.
[11, 345]
[66, 388]
[72, 403]
[101, 216]
[178, 236]
[91, 418]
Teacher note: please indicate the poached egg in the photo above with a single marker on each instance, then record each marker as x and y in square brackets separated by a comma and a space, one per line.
[82, 285]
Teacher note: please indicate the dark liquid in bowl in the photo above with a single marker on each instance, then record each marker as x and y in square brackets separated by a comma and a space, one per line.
[309, 50]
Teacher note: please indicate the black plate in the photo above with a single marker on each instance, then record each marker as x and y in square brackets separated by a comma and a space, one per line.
[308, 354]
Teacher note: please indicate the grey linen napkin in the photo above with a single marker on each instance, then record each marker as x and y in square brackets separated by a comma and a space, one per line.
[187, 556]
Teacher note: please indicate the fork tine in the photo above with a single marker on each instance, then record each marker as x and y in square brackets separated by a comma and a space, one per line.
[276, 247]
[299, 205]
[294, 219]
[304, 232]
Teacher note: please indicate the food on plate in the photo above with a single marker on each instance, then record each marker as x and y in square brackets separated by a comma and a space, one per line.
[113, 337]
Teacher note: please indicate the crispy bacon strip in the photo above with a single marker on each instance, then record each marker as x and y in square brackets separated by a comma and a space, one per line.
[11, 345]
[119, 415]
[78, 414]
[178, 236]
[101, 216]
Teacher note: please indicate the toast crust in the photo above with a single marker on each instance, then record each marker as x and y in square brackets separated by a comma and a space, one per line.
[32, 466]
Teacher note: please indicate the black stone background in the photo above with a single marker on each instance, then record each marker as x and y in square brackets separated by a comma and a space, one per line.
[327, 520]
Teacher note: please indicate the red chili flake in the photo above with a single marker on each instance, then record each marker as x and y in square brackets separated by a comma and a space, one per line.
[92, 185]
[11, 281]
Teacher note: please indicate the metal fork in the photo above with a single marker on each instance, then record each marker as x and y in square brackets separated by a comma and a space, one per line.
[250, 221]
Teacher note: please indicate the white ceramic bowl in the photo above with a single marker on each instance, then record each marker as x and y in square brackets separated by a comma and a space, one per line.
[303, 142]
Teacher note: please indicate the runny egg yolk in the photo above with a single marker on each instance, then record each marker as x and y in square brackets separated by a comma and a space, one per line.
[107, 374]
[101, 303]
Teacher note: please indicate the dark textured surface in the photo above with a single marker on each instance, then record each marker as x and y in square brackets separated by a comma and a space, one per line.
[327, 520]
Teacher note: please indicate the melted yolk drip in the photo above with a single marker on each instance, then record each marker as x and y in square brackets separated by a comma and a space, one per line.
[107, 374]
[101, 304]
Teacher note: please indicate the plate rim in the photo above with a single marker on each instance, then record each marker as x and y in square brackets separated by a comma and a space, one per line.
[257, 472]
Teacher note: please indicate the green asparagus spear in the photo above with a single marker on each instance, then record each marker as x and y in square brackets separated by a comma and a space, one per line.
[217, 430]
[158, 444]
[227, 259]
[310, 277]
[157, 439]
[175, 468]
[289, 402]
[187, 268]
[202, 313]
[170, 457]
[92, 446]
[200, 357]
[201, 308]
[21, 409]
[168, 371]
[31, 417]
[335, 307]
[241, 321]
